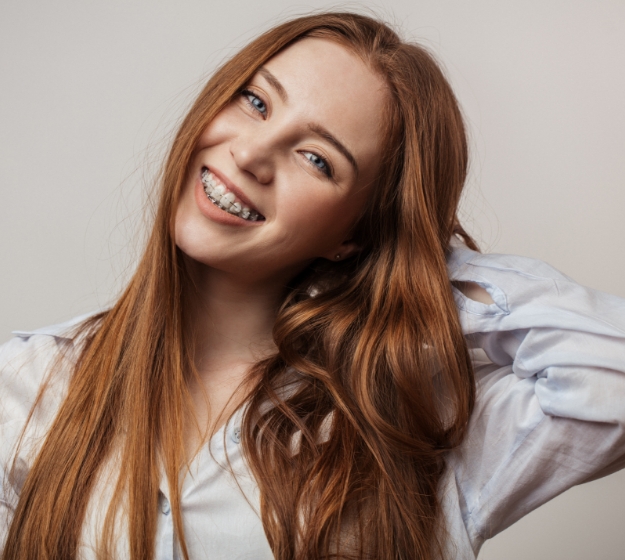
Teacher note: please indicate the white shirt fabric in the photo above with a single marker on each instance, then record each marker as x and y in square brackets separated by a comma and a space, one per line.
[549, 360]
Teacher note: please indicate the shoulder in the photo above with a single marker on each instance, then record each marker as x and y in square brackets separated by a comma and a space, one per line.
[27, 358]
[31, 350]
[59, 331]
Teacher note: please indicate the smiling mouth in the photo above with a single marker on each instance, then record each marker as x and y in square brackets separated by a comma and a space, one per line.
[227, 201]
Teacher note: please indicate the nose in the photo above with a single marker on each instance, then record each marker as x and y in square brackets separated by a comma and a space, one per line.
[256, 155]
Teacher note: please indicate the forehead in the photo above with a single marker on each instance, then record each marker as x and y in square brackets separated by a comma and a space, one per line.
[329, 84]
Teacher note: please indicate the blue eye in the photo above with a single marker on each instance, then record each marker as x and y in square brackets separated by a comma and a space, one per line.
[318, 162]
[254, 102]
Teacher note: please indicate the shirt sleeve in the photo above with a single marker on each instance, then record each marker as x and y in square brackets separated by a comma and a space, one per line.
[550, 372]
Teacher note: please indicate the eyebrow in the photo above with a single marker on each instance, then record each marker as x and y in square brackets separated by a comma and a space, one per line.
[325, 134]
[274, 82]
[316, 129]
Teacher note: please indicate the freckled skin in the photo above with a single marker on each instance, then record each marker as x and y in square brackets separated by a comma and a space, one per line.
[274, 158]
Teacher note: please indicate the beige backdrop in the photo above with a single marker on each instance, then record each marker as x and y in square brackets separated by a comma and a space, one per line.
[91, 91]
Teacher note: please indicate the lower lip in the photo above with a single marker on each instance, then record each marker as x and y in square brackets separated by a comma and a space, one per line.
[216, 214]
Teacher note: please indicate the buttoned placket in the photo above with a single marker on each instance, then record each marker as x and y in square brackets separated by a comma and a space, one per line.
[165, 542]
[166, 546]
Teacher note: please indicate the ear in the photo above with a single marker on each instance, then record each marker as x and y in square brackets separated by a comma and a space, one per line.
[343, 251]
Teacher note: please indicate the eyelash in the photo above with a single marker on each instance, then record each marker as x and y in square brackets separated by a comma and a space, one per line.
[246, 94]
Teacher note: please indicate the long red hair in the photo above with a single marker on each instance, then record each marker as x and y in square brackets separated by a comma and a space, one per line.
[384, 385]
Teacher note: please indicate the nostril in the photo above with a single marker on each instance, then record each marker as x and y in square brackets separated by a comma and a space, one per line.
[253, 159]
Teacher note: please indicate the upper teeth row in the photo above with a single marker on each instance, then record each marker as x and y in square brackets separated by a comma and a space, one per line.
[223, 198]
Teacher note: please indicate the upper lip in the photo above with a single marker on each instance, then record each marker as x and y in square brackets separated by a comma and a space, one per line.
[232, 188]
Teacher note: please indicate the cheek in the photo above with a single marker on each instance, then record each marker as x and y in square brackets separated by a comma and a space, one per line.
[221, 128]
[184, 222]
[320, 221]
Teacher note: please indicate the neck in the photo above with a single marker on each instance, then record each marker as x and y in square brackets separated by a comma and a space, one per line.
[230, 320]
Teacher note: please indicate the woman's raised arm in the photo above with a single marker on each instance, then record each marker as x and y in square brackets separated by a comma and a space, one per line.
[550, 371]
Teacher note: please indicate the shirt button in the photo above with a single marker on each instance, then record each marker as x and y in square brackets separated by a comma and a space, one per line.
[236, 434]
[165, 509]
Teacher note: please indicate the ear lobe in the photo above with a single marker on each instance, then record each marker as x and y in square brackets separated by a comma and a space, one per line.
[343, 251]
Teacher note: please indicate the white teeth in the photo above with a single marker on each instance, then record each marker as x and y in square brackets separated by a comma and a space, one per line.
[227, 200]
[224, 199]
[217, 193]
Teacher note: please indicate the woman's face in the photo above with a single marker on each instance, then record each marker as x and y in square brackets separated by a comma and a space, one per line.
[300, 148]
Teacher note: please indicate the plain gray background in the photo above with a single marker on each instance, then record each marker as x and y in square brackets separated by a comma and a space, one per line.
[90, 93]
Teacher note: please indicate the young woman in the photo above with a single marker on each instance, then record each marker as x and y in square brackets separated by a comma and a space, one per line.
[312, 359]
